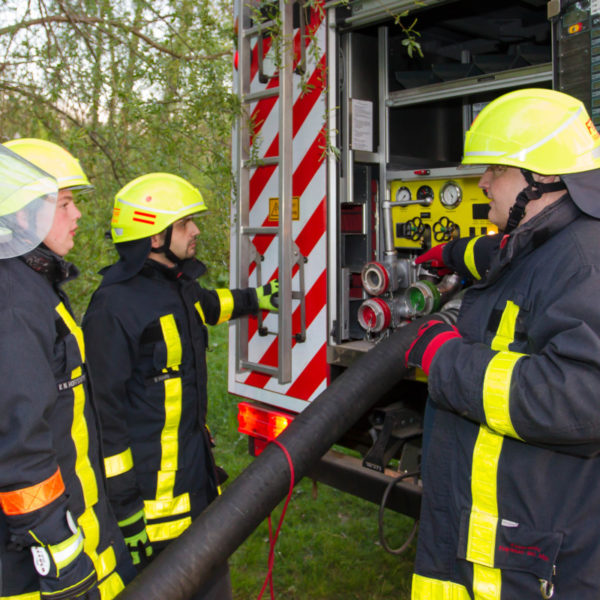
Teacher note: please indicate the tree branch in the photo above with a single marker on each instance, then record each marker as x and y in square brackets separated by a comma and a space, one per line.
[87, 20]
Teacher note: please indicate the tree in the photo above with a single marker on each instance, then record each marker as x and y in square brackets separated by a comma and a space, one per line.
[129, 87]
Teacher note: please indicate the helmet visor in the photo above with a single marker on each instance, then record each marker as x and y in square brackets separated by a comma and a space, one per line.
[27, 204]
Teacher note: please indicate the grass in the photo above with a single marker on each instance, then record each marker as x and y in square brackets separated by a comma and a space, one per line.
[328, 548]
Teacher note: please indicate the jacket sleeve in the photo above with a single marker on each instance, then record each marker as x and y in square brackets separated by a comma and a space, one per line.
[223, 305]
[110, 359]
[471, 257]
[32, 491]
[545, 397]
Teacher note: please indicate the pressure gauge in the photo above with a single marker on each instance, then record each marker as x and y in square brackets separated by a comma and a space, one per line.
[425, 195]
[403, 195]
[450, 194]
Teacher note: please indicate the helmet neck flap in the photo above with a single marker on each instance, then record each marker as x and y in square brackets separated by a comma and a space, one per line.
[534, 191]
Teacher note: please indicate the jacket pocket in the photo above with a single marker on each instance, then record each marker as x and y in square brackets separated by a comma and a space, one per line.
[508, 545]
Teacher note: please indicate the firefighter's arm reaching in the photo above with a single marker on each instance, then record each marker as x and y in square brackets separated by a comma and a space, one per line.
[223, 304]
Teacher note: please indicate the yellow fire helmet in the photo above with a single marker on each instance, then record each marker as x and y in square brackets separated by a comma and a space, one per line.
[27, 204]
[543, 131]
[149, 204]
[53, 159]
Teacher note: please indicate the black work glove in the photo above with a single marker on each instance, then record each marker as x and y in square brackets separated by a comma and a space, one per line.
[268, 295]
[431, 336]
[134, 532]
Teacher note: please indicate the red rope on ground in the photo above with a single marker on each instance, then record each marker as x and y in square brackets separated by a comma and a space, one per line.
[273, 538]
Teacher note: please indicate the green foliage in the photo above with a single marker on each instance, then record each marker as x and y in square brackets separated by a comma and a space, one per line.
[129, 87]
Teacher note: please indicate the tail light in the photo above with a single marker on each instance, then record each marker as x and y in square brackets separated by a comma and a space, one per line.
[261, 423]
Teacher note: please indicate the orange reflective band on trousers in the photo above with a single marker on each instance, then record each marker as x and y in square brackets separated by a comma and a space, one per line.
[26, 500]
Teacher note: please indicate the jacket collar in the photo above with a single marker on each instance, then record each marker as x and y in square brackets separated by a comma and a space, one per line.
[526, 238]
[50, 265]
[189, 269]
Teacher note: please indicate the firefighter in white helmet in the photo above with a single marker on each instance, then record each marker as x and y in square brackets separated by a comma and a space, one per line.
[59, 537]
[512, 446]
[146, 332]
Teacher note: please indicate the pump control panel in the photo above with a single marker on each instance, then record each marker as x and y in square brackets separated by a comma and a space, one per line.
[432, 210]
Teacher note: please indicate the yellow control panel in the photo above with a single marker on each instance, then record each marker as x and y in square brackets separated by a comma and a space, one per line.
[431, 211]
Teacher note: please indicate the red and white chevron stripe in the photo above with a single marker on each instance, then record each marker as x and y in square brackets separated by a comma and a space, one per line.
[309, 365]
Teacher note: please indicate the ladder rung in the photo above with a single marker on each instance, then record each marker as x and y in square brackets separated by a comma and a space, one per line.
[260, 230]
[267, 161]
[260, 368]
[254, 96]
[256, 29]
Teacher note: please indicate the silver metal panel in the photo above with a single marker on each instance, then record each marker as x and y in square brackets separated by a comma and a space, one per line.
[371, 11]
[482, 83]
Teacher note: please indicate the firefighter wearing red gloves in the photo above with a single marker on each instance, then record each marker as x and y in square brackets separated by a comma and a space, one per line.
[146, 332]
[58, 535]
[511, 503]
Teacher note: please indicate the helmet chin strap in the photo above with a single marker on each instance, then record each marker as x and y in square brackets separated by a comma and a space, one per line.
[166, 247]
[533, 191]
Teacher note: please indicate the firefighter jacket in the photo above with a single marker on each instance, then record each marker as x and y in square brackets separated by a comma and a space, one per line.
[50, 460]
[511, 501]
[147, 342]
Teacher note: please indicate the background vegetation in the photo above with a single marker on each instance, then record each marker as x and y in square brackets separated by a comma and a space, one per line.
[134, 86]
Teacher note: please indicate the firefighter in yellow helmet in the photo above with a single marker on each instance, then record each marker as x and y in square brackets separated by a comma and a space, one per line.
[512, 444]
[59, 537]
[146, 334]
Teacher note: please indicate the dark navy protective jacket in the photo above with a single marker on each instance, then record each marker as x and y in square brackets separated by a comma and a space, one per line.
[50, 459]
[147, 342]
[511, 498]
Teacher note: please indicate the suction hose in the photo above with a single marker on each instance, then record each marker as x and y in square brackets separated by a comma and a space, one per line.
[190, 559]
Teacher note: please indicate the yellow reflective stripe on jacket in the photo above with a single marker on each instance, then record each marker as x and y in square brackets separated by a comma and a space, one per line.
[28, 596]
[165, 504]
[69, 321]
[496, 392]
[506, 329]
[424, 588]
[172, 340]
[498, 375]
[483, 522]
[470, 257]
[226, 300]
[156, 509]
[111, 586]
[481, 542]
[167, 531]
[200, 311]
[117, 464]
[105, 563]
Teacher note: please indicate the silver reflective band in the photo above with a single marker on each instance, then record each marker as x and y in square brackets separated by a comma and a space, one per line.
[521, 155]
[158, 210]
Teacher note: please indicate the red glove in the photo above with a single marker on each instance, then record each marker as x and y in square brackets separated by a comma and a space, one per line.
[434, 256]
[430, 338]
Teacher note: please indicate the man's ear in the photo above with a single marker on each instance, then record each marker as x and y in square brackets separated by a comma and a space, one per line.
[157, 240]
[545, 178]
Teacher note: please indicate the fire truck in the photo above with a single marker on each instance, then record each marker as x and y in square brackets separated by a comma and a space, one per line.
[347, 163]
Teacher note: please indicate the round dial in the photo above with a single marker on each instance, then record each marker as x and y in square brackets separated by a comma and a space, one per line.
[425, 195]
[450, 195]
[403, 195]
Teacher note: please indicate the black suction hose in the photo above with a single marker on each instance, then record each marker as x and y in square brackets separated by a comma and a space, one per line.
[190, 560]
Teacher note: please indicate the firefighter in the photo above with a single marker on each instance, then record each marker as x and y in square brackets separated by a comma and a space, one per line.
[511, 502]
[146, 332]
[58, 535]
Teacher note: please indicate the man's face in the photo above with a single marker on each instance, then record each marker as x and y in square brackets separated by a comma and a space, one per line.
[61, 234]
[501, 185]
[183, 238]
